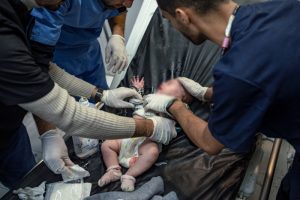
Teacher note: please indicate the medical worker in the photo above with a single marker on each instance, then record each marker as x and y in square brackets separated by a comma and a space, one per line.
[26, 86]
[256, 82]
[68, 36]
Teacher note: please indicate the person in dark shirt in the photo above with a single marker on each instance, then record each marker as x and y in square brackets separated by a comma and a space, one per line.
[26, 86]
[256, 82]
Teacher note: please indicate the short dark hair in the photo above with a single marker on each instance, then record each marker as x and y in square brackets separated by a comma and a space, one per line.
[201, 6]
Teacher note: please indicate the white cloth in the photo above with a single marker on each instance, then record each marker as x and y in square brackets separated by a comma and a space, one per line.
[29, 193]
[75, 172]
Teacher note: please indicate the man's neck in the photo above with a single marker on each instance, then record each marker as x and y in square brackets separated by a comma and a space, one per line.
[213, 24]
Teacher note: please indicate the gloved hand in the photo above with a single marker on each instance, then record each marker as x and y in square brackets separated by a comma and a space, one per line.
[158, 103]
[164, 130]
[194, 88]
[115, 54]
[114, 98]
[56, 158]
[55, 152]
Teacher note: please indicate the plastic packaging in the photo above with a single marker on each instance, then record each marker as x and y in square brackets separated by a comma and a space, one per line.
[68, 191]
[85, 147]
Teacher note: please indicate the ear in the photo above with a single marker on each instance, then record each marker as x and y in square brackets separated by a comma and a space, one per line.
[182, 16]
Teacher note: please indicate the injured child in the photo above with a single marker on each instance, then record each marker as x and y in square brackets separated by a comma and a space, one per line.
[136, 154]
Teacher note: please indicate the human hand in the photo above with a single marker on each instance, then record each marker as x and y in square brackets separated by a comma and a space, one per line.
[194, 88]
[137, 82]
[56, 158]
[115, 97]
[115, 54]
[164, 130]
[55, 152]
[158, 103]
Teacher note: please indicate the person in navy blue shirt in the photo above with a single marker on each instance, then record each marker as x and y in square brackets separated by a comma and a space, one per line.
[256, 82]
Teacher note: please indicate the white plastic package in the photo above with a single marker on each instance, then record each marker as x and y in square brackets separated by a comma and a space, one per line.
[68, 191]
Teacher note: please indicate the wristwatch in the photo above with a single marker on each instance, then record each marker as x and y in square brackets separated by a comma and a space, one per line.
[98, 95]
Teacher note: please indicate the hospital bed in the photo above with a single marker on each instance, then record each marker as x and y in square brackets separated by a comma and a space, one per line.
[158, 52]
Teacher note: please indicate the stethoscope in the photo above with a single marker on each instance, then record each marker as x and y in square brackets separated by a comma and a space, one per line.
[226, 41]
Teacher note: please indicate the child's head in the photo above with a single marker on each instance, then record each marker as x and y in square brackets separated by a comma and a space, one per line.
[174, 88]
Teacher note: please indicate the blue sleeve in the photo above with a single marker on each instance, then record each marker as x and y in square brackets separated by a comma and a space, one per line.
[113, 14]
[47, 27]
[237, 112]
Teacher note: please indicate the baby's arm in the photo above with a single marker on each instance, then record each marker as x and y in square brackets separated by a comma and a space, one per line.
[138, 84]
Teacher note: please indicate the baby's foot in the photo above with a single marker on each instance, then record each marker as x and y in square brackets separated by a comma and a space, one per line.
[127, 183]
[112, 174]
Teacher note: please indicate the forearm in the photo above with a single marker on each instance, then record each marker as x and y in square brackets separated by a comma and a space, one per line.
[62, 110]
[144, 127]
[117, 24]
[72, 84]
[195, 128]
[42, 125]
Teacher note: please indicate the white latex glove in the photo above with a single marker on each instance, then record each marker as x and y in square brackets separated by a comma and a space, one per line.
[115, 97]
[55, 152]
[164, 130]
[56, 158]
[194, 88]
[115, 54]
[158, 103]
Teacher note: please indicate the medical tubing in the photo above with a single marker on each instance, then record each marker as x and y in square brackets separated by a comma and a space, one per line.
[59, 108]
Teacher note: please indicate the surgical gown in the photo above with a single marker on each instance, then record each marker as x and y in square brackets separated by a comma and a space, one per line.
[73, 30]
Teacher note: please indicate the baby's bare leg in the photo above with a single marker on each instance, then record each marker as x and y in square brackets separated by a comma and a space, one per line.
[148, 154]
[110, 150]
